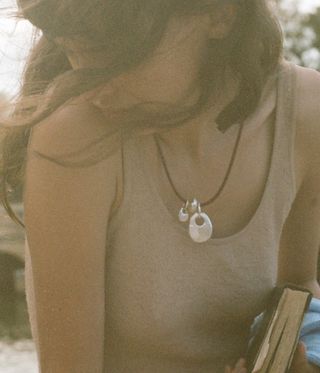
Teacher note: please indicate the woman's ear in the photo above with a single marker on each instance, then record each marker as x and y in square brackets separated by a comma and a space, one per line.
[222, 20]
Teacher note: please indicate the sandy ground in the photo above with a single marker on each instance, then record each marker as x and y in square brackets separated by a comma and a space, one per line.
[18, 357]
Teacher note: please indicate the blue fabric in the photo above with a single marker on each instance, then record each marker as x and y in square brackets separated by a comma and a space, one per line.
[309, 332]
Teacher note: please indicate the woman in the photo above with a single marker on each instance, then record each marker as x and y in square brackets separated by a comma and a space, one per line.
[170, 181]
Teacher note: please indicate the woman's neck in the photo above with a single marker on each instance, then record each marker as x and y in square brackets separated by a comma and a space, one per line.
[201, 132]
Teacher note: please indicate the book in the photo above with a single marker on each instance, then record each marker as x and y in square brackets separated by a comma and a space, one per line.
[272, 348]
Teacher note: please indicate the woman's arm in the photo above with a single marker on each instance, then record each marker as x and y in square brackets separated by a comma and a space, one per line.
[66, 216]
[300, 238]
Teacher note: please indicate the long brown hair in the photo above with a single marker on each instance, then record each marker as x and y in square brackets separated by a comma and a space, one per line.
[128, 32]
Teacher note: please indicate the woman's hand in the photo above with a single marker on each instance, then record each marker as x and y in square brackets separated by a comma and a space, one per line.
[240, 367]
[300, 362]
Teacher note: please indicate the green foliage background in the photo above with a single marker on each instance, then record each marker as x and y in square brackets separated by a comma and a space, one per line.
[302, 33]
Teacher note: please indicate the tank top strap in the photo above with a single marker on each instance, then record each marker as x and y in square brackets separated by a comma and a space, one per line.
[287, 116]
[287, 113]
[281, 184]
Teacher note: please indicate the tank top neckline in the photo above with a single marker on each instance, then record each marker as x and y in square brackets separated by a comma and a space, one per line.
[141, 150]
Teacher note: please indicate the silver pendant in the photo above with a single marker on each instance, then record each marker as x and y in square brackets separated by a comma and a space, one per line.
[194, 206]
[184, 212]
[200, 232]
[187, 209]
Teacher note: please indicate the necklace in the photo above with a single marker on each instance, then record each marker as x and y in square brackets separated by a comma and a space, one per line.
[198, 231]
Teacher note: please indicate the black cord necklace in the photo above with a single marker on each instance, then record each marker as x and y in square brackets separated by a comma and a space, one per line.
[198, 232]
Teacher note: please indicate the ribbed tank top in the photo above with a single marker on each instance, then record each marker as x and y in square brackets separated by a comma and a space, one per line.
[169, 299]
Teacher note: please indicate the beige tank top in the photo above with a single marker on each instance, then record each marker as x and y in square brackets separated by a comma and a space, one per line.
[174, 305]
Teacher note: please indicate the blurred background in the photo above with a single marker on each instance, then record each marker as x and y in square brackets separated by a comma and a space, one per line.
[300, 20]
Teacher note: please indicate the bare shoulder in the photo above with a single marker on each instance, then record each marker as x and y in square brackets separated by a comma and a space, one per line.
[66, 214]
[72, 128]
[78, 135]
[308, 115]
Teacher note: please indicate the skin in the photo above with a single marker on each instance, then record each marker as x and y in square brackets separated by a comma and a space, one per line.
[299, 363]
[169, 76]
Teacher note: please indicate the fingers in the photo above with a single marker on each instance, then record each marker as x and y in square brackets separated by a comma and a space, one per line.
[299, 361]
[238, 368]
[241, 363]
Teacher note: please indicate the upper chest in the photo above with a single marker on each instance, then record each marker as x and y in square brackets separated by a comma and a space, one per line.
[171, 289]
[240, 197]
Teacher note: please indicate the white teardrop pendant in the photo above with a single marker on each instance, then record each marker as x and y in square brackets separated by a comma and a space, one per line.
[202, 232]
